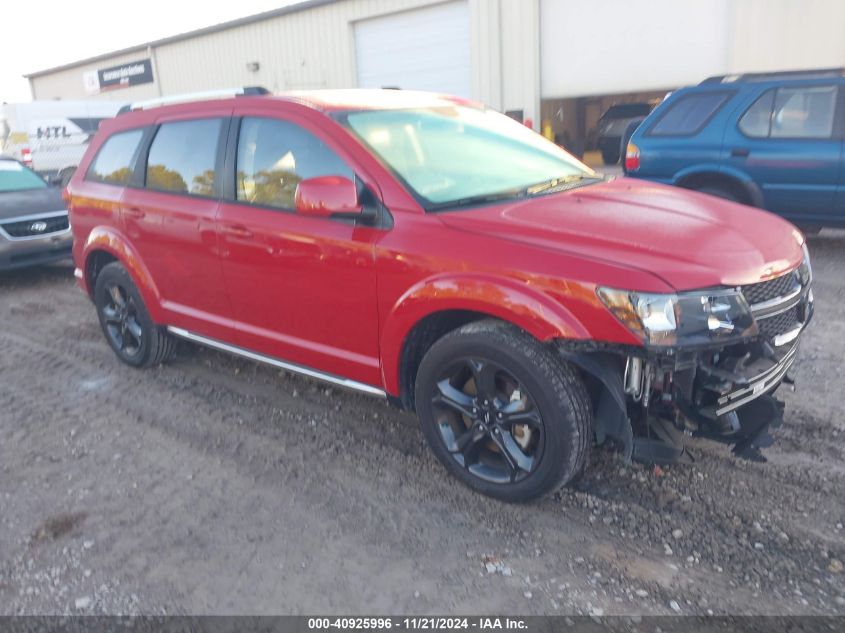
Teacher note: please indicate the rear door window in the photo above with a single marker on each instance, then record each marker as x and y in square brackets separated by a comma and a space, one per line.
[795, 112]
[115, 159]
[274, 155]
[182, 157]
[688, 114]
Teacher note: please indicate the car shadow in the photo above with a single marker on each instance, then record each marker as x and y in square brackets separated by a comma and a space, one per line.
[35, 275]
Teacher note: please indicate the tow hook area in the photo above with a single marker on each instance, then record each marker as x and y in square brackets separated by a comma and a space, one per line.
[651, 406]
[746, 427]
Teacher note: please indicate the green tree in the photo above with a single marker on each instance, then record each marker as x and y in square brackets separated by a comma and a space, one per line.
[160, 177]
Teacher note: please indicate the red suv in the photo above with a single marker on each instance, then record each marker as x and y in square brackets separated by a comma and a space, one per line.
[429, 250]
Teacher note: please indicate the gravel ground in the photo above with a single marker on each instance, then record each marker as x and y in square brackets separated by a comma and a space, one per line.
[214, 485]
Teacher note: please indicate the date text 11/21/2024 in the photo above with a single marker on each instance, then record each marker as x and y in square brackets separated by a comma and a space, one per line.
[417, 623]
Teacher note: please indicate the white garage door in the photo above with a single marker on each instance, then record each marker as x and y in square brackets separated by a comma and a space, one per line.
[594, 48]
[423, 49]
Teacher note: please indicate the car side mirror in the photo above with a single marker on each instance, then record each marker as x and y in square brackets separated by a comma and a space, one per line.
[328, 197]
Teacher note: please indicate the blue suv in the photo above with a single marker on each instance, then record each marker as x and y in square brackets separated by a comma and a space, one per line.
[771, 140]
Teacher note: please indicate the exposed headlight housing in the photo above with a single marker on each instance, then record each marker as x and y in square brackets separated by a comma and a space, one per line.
[690, 318]
[805, 271]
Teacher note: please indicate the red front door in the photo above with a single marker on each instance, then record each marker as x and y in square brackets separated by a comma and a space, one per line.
[303, 289]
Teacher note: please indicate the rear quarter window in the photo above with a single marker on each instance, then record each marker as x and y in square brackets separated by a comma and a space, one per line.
[115, 159]
[688, 114]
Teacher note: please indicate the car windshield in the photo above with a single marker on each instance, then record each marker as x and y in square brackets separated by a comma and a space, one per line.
[16, 177]
[456, 156]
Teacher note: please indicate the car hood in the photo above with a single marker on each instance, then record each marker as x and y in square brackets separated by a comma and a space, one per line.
[30, 202]
[688, 239]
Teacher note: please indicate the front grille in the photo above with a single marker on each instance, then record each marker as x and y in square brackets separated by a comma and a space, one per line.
[780, 323]
[36, 227]
[766, 290]
[773, 319]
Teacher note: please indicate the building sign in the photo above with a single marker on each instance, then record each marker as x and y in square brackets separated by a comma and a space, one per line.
[123, 76]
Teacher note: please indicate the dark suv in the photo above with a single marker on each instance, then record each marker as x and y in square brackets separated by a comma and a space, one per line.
[432, 251]
[614, 125]
[772, 140]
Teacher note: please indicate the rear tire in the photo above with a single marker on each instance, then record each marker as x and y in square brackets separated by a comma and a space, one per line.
[502, 412]
[719, 192]
[126, 324]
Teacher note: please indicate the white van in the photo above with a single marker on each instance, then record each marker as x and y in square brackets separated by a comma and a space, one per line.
[51, 136]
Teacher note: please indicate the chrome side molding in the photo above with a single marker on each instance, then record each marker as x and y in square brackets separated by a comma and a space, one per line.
[269, 360]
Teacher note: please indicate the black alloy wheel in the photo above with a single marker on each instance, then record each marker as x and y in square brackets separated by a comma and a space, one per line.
[488, 421]
[503, 412]
[127, 325]
[121, 321]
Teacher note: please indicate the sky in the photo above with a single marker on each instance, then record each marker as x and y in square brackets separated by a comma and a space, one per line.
[40, 34]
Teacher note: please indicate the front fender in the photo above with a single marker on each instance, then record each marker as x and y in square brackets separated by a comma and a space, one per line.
[503, 298]
[111, 241]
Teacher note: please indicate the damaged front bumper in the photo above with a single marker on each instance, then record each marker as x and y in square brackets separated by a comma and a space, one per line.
[651, 399]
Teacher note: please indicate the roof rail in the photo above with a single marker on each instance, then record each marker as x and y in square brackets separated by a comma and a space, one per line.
[816, 73]
[194, 96]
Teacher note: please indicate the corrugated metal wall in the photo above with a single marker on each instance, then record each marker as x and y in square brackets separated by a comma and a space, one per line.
[314, 48]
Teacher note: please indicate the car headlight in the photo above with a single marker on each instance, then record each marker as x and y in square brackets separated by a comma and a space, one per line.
[690, 318]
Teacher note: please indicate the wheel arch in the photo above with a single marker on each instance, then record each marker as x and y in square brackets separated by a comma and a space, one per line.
[437, 306]
[105, 245]
[719, 176]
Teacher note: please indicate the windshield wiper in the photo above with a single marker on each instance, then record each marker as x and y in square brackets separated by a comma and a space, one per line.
[555, 184]
[560, 183]
[481, 199]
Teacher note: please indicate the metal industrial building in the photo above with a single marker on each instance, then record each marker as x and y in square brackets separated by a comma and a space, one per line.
[557, 63]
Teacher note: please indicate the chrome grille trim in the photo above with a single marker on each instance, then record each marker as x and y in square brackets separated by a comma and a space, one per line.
[759, 385]
[775, 306]
[31, 218]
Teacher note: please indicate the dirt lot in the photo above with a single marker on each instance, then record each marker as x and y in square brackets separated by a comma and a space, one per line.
[214, 485]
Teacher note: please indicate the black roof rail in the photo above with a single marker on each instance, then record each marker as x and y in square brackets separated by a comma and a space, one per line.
[815, 73]
[248, 91]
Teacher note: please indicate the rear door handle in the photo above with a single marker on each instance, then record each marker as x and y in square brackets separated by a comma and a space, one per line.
[236, 230]
[740, 152]
[134, 212]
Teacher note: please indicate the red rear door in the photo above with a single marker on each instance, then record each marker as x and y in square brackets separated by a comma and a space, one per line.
[303, 289]
[171, 221]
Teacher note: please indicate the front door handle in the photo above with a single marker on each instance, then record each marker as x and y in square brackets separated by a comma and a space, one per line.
[134, 212]
[236, 230]
[740, 152]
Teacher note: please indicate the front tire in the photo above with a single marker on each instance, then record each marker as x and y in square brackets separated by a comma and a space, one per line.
[502, 412]
[126, 324]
